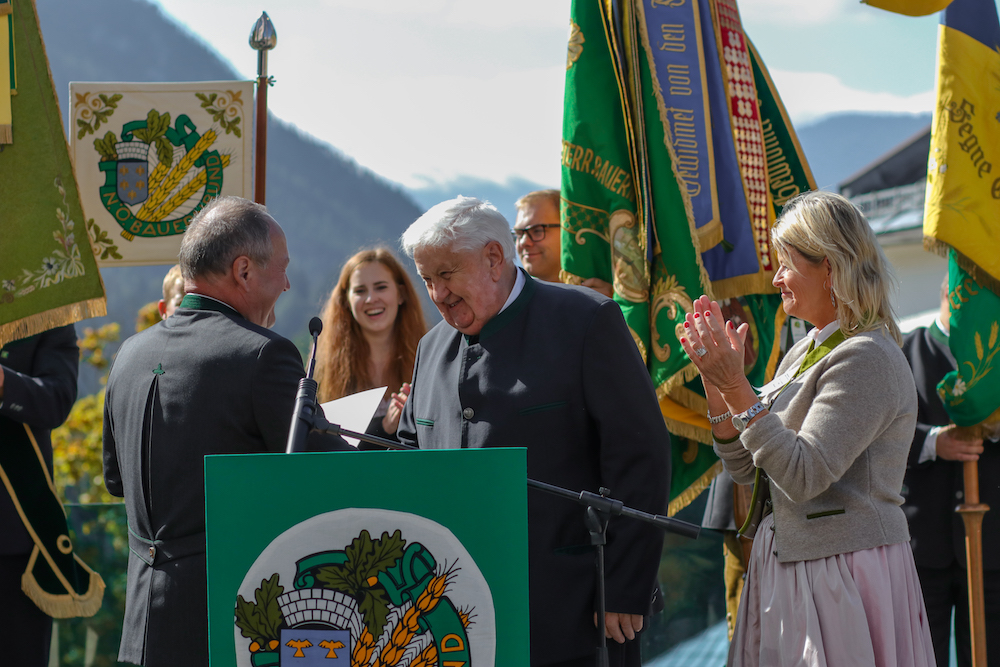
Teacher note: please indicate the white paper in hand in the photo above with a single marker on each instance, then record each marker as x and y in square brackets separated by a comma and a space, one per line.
[353, 412]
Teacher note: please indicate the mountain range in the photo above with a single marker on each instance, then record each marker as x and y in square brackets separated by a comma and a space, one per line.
[328, 205]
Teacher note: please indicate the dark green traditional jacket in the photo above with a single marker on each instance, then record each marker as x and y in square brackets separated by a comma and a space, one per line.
[204, 381]
[556, 372]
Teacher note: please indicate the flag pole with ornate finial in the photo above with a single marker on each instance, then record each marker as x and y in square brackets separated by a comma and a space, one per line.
[263, 38]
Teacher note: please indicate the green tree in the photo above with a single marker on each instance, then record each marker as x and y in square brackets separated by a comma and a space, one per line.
[76, 444]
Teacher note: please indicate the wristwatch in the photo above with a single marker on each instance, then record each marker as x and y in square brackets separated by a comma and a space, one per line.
[720, 418]
[741, 420]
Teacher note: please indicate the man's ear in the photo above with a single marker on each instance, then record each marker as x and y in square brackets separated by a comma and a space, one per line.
[494, 255]
[161, 306]
[241, 270]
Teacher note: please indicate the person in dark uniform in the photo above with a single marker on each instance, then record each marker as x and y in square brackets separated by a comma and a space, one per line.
[38, 388]
[933, 487]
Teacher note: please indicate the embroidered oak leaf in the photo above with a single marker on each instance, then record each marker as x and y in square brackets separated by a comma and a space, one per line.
[358, 576]
[106, 147]
[261, 621]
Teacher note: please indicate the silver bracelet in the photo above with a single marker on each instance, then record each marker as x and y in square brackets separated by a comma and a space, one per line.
[721, 418]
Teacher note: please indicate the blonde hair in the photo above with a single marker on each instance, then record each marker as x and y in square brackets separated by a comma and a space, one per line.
[173, 283]
[532, 198]
[823, 225]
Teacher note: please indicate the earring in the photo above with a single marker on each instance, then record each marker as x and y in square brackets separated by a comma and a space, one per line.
[832, 300]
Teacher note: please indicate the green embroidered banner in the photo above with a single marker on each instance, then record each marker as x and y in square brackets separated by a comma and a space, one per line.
[666, 205]
[970, 393]
[48, 274]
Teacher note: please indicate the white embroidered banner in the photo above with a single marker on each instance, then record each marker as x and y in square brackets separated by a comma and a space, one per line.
[149, 156]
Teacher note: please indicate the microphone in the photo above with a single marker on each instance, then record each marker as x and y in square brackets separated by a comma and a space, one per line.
[303, 417]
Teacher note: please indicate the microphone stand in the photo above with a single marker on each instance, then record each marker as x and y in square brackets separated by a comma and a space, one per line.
[305, 400]
[599, 507]
[599, 510]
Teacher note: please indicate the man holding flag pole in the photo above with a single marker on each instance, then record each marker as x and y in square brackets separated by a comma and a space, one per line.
[962, 221]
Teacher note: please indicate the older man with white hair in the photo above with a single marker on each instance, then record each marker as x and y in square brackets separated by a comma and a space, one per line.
[524, 363]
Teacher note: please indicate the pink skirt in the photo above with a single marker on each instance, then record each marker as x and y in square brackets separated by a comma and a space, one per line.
[858, 608]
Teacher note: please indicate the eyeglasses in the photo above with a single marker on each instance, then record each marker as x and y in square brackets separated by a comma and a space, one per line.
[534, 232]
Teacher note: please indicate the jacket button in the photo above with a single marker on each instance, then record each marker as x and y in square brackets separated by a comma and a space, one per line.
[468, 413]
[775, 553]
[958, 494]
[152, 552]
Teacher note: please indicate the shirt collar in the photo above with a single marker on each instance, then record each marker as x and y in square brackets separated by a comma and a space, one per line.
[940, 326]
[514, 292]
[522, 295]
[819, 335]
[202, 302]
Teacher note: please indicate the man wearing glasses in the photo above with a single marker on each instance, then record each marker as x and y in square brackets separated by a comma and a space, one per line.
[537, 237]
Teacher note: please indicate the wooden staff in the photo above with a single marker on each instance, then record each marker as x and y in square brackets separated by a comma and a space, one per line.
[972, 512]
[263, 38]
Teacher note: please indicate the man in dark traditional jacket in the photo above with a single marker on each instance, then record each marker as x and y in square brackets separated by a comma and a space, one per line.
[933, 487]
[553, 368]
[210, 379]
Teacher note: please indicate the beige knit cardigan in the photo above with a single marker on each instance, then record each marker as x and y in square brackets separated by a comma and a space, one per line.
[834, 445]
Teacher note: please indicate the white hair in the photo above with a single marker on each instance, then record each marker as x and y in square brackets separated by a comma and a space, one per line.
[465, 223]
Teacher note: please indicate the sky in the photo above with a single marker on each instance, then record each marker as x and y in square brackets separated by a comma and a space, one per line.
[423, 92]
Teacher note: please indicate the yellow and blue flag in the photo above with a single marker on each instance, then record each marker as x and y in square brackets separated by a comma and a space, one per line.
[909, 7]
[962, 206]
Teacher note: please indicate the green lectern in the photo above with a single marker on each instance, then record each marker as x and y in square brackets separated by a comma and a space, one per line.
[346, 559]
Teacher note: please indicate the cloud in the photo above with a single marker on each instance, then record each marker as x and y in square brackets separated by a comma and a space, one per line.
[809, 95]
[412, 130]
[796, 12]
[481, 13]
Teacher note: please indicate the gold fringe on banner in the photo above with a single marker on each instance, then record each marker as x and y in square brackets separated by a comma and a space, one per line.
[678, 379]
[690, 399]
[685, 422]
[50, 319]
[64, 605]
[6, 73]
[772, 361]
[751, 283]
[941, 248]
[692, 492]
[57, 605]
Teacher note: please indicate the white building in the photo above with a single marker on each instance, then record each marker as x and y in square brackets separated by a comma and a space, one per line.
[890, 191]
